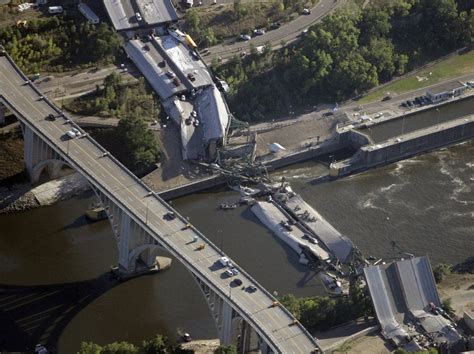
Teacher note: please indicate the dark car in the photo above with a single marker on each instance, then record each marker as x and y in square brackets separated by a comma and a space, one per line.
[251, 289]
[386, 98]
[170, 216]
[328, 114]
[50, 117]
[275, 25]
[191, 77]
[237, 282]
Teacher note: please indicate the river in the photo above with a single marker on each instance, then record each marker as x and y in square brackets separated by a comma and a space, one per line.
[424, 204]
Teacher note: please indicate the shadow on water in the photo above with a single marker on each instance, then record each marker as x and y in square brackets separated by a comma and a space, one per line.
[79, 222]
[38, 314]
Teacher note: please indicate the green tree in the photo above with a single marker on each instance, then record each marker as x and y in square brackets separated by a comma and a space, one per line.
[158, 344]
[119, 348]
[440, 271]
[223, 349]
[90, 348]
[139, 144]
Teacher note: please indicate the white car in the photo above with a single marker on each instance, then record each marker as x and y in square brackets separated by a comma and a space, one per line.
[229, 273]
[138, 16]
[306, 11]
[244, 37]
[76, 131]
[234, 271]
[259, 31]
[224, 261]
[71, 134]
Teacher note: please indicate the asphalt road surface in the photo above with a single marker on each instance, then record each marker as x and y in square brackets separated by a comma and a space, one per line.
[129, 193]
[287, 33]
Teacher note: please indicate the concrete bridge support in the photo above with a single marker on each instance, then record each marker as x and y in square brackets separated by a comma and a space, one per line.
[137, 249]
[2, 114]
[40, 157]
[231, 327]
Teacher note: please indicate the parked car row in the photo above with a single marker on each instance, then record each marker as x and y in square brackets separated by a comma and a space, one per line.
[418, 101]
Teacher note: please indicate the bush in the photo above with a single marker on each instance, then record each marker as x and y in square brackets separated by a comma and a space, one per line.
[440, 271]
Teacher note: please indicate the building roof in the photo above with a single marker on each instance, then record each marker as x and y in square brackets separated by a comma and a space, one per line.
[153, 12]
[88, 13]
[449, 87]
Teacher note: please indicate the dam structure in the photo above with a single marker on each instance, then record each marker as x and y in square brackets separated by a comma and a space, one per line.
[386, 140]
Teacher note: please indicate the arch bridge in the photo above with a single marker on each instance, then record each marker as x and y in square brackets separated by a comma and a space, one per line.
[250, 320]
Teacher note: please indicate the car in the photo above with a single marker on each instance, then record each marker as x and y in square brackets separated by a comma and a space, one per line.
[251, 288]
[2, 50]
[410, 103]
[235, 271]
[275, 25]
[51, 117]
[259, 31]
[71, 134]
[138, 16]
[191, 77]
[176, 82]
[386, 98]
[162, 64]
[306, 11]
[196, 123]
[237, 282]
[229, 273]
[404, 104]
[224, 261]
[76, 131]
[170, 215]
[188, 121]
[146, 48]
[194, 114]
[230, 265]
[170, 74]
[244, 37]
[328, 114]
[304, 32]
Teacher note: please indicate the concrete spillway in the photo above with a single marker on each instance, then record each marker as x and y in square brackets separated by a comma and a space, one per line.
[271, 216]
[408, 123]
[384, 142]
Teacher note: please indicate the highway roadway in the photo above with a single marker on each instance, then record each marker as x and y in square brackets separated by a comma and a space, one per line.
[286, 33]
[274, 324]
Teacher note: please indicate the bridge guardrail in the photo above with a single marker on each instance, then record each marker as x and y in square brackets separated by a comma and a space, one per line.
[154, 195]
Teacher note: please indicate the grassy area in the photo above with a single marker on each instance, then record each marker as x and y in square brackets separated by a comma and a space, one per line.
[449, 68]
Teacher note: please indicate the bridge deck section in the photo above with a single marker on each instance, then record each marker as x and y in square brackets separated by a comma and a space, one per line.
[128, 192]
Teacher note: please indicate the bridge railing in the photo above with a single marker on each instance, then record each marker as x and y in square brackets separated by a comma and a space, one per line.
[153, 194]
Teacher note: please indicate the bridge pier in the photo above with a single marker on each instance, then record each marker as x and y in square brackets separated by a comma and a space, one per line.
[231, 327]
[137, 249]
[2, 114]
[39, 156]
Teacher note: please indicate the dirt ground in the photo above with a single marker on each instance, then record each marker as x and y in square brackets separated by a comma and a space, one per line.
[202, 346]
[460, 288]
[372, 343]
[11, 156]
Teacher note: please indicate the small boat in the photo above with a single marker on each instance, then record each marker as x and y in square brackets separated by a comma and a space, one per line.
[186, 337]
[96, 212]
[332, 284]
[227, 206]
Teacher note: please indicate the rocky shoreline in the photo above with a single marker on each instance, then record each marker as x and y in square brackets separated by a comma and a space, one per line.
[23, 197]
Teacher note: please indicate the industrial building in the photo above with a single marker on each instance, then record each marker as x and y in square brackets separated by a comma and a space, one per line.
[445, 93]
